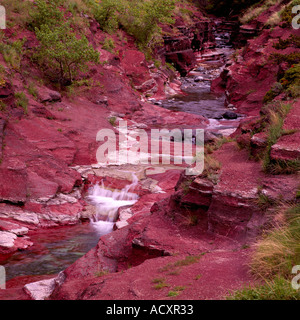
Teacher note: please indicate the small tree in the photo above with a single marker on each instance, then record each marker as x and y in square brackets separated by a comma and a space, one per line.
[60, 49]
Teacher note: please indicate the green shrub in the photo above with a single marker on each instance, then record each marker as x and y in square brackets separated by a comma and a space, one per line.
[273, 93]
[62, 51]
[173, 293]
[2, 106]
[284, 166]
[159, 283]
[188, 260]
[264, 202]
[292, 58]
[292, 41]
[291, 80]
[139, 18]
[279, 250]
[212, 168]
[32, 90]
[112, 121]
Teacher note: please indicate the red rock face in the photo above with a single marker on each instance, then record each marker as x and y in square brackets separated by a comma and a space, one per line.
[252, 74]
[135, 66]
[184, 61]
[14, 182]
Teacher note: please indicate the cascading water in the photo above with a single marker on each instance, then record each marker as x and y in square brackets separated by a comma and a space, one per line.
[108, 202]
[59, 248]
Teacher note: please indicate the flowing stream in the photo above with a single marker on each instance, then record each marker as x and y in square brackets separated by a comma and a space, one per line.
[196, 96]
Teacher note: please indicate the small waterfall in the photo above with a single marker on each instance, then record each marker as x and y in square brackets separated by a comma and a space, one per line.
[108, 202]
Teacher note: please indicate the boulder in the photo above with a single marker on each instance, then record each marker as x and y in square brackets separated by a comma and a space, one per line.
[198, 79]
[47, 95]
[7, 240]
[286, 149]
[230, 115]
[40, 290]
[146, 86]
[258, 143]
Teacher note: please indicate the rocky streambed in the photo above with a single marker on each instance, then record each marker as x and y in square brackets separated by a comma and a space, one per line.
[55, 249]
[50, 251]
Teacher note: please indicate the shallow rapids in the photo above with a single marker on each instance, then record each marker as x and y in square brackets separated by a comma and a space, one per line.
[108, 202]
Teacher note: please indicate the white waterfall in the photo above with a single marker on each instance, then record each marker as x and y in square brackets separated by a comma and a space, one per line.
[108, 202]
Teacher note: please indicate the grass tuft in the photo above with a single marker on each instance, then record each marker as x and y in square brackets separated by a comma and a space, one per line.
[274, 257]
[160, 283]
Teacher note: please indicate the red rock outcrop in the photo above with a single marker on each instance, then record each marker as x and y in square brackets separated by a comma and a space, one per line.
[252, 73]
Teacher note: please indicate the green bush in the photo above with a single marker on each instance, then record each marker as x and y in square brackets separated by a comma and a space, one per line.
[60, 49]
[284, 167]
[279, 250]
[291, 41]
[292, 58]
[273, 93]
[143, 19]
[291, 80]
[62, 52]
[17, 12]
[139, 18]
